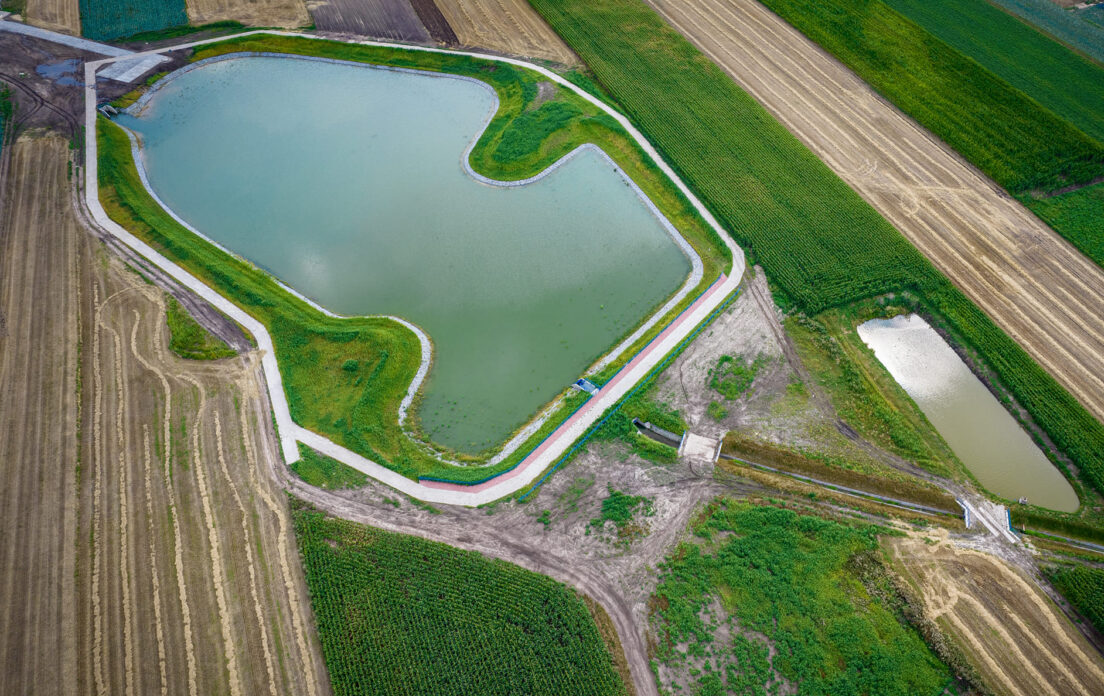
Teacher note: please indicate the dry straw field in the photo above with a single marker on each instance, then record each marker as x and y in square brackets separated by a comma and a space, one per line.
[1012, 633]
[508, 26]
[144, 547]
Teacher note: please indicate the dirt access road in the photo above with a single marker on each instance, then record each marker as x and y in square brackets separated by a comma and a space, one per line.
[142, 547]
[1015, 636]
[1034, 285]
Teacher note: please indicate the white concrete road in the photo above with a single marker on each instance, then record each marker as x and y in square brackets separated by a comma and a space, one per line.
[290, 433]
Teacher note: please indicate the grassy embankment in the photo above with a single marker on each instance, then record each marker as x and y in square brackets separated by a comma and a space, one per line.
[400, 614]
[358, 408]
[805, 600]
[190, 340]
[820, 243]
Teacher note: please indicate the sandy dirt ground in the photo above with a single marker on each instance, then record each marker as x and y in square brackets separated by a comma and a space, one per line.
[1014, 635]
[1033, 284]
[144, 548]
[286, 14]
[506, 26]
[55, 15]
[784, 404]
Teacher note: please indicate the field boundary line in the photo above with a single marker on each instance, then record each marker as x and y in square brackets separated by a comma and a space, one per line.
[291, 433]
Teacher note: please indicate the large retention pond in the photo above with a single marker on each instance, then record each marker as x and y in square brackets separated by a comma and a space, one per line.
[347, 183]
[977, 427]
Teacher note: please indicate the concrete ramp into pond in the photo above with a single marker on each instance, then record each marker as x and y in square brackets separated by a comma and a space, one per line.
[119, 71]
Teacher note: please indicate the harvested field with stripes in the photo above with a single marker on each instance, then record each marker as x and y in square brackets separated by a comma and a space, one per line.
[1013, 634]
[145, 547]
[1033, 284]
[506, 26]
[394, 20]
[55, 15]
[286, 14]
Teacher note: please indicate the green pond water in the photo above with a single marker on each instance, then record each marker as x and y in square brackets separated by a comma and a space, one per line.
[347, 183]
[977, 427]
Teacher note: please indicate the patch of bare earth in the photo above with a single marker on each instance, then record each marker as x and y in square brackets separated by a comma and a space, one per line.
[1034, 284]
[506, 26]
[1012, 633]
[145, 548]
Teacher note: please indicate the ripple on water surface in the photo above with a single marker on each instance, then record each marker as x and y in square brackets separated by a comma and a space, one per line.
[347, 183]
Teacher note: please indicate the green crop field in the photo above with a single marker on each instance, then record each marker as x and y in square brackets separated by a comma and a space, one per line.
[104, 20]
[1078, 216]
[1062, 81]
[1084, 588]
[401, 615]
[358, 409]
[1009, 136]
[1074, 29]
[820, 243]
[812, 588]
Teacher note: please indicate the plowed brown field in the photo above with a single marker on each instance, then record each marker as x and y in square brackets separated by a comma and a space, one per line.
[1034, 285]
[55, 15]
[1018, 640]
[507, 26]
[287, 14]
[144, 546]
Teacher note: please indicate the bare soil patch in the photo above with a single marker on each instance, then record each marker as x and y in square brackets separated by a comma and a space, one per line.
[1034, 285]
[507, 26]
[1012, 633]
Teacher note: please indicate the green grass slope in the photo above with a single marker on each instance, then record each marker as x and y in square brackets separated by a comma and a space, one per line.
[812, 588]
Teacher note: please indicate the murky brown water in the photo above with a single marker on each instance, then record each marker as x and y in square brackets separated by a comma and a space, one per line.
[977, 427]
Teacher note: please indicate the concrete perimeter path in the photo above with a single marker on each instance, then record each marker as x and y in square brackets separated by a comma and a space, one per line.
[557, 444]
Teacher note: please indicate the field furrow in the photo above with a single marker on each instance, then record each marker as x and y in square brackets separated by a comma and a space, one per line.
[129, 508]
[508, 26]
[38, 422]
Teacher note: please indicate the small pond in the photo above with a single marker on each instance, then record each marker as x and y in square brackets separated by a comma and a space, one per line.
[347, 183]
[974, 423]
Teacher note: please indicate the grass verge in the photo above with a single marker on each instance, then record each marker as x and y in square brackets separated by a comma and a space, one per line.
[190, 340]
[319, 470]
